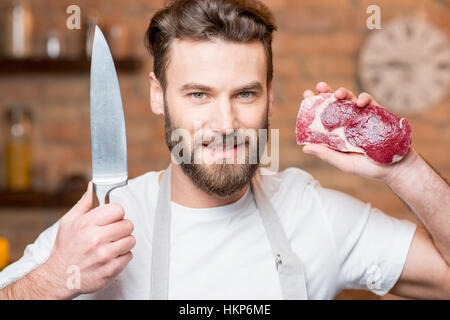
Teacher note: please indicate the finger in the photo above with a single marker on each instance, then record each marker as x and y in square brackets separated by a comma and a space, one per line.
[323, 87]
[121, 246]
[333, 157]
[106, 214]
[364, 99]
[84, 204]
[344, 94]
[118, 264]
[308, 93]
[117, 230]
[121, 262]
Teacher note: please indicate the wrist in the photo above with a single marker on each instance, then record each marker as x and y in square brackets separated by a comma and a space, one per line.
[402, 170]
[52, 285]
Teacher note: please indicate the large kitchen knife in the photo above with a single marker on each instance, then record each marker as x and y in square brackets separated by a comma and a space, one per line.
[108, 136]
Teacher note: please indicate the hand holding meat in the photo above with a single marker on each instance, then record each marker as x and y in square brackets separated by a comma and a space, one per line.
[372, 140]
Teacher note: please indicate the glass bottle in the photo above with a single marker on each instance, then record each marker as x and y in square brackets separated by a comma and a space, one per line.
[18, 30]
[18, 149]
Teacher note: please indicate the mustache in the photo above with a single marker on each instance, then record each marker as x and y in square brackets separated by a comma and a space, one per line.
[231, 139]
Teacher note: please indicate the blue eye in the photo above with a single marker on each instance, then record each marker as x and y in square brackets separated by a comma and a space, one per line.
[198, 95]
[245, 94]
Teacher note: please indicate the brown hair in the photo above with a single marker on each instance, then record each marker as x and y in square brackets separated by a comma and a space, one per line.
[230, 20]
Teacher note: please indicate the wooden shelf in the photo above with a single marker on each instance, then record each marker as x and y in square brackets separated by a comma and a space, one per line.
[61, 66]
[31, 199]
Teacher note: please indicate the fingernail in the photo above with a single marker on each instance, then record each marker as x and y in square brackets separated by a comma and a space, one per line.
[87, 189]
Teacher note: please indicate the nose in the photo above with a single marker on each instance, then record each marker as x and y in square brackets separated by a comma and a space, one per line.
[223, 116]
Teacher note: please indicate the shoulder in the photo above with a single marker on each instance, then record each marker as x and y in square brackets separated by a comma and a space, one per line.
[294, 183]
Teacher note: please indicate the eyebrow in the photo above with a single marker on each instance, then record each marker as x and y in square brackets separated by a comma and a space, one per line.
[254, 85]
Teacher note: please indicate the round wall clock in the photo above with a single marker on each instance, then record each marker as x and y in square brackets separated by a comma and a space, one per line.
[406, 65]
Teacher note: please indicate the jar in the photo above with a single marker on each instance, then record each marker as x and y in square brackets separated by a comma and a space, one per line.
[18, 149]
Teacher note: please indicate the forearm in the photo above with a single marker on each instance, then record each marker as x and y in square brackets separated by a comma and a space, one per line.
[36, 285]
[428, 195]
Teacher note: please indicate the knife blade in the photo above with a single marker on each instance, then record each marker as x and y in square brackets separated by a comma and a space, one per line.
[108, 134]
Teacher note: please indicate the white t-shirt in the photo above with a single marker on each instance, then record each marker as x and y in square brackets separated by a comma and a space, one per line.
[224, 253]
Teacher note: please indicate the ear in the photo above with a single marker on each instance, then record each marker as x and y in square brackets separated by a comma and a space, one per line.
[270, 93]
[156, 95]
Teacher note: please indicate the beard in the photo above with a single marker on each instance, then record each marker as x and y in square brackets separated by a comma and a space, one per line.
[220, 180]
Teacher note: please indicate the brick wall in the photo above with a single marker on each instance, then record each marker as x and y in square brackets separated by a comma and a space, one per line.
[317, 40]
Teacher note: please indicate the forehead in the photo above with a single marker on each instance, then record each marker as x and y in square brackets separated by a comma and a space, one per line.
[217, 63]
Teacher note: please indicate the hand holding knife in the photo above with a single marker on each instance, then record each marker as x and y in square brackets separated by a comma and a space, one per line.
[97, 242]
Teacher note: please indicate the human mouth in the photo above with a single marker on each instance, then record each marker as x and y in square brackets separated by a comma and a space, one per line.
[222, 151]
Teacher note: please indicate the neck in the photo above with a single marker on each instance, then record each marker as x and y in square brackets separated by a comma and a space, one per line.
[195, 198]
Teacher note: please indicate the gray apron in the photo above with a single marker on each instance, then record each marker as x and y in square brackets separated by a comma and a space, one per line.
[288, 265]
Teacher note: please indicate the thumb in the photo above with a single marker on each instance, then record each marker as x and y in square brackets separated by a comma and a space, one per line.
[85, 203]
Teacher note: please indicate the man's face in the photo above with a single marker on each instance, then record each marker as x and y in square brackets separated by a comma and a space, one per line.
[216, 88]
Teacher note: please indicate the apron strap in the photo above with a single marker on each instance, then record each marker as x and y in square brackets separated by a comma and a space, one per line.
[289, 267]
[159, 277]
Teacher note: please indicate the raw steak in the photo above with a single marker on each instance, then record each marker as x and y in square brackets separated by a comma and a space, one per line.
[342, 125]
